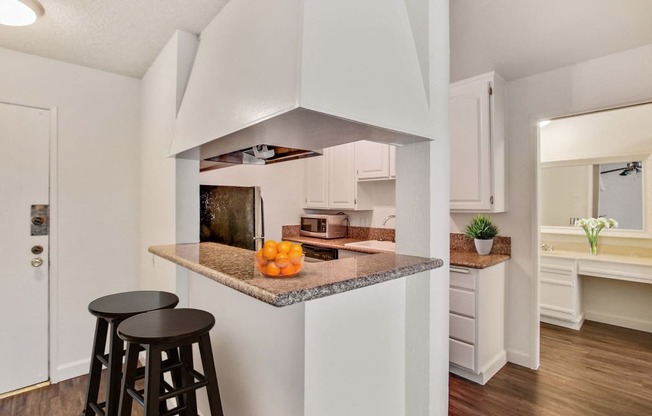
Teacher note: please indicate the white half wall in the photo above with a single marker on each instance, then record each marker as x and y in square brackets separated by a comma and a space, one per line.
[98, 191]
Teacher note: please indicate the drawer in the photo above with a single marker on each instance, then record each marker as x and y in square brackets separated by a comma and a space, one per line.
[462, 302]
[464, 278]
[461, 354]
[461, 328]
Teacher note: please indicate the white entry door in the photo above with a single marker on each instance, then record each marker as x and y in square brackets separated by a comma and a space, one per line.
[24, 181]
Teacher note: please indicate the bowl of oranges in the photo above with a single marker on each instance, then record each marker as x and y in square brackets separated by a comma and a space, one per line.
[283, 259]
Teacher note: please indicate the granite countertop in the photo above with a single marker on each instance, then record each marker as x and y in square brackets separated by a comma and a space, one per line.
[476, 261]
[463, 253]
[338, 243]
[356, 234]
[235, 268]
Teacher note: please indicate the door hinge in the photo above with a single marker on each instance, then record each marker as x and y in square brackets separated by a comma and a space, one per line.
[491, 200]
[355, 201]
[491, 90]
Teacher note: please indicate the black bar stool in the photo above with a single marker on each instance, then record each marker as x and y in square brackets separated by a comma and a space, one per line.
[161, 331]
[110, 311]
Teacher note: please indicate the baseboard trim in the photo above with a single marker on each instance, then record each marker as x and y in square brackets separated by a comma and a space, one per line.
[624, 321]
[71, 370]
[485, 375]
[564, 323]
[519, 358]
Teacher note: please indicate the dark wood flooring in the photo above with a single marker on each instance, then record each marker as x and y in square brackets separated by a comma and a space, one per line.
[600, 370]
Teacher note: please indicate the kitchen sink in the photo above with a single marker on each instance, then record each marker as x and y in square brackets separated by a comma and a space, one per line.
[387, 246]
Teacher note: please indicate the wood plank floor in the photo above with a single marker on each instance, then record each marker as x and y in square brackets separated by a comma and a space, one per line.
[600, 370]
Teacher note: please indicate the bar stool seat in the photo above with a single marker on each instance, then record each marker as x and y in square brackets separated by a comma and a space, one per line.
[160, 331]
[110, 311]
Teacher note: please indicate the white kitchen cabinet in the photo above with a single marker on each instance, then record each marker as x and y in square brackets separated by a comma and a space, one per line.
[560, 292]
[477, 145]
[477, 322]
[330, 181]
[316, 181]
[374, 161]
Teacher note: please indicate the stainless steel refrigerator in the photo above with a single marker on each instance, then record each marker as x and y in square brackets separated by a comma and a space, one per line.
[232, 215]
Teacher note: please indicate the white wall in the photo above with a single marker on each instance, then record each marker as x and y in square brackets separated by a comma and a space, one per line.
[98, 187]
[162, 86]
[600, 83]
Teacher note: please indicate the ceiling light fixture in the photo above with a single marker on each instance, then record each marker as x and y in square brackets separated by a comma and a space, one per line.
[20, 12]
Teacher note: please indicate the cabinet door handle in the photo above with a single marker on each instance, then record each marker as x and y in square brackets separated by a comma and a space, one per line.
[459, 270]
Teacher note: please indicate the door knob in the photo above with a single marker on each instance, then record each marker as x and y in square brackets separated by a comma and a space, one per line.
[37, 250]
[37, 262]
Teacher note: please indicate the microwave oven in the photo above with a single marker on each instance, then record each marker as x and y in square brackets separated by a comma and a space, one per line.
[324, 226]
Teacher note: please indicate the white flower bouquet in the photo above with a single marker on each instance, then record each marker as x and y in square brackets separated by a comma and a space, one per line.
[592, 227]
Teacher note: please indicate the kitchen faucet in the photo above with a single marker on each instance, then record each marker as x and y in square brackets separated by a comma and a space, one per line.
[387, 218]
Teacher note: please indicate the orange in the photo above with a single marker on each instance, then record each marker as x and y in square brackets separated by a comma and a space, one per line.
[272, 269]
[260, 259]
[261, 267]
[269, 252]
[295, 257]
[288, 270]
[297, 268]
[284, 247]
[296, 248]
[282, 260]
[269, 243]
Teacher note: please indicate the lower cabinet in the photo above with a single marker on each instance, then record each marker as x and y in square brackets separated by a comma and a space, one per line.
[560, 292]
[477, 322]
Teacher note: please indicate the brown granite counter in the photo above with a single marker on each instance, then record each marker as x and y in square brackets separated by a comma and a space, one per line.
[356, 234]
[476, 261]
[463, 253]
[235, 268]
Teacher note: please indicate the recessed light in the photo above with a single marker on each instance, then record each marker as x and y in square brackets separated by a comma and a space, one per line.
[20, 12]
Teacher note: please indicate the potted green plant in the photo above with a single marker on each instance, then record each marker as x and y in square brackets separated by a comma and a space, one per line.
[482, 230]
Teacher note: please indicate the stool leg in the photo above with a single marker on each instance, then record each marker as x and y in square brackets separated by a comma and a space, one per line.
[116, 347]
[207, 362]
[152, 380]
[190, 397]
[128, 379]
[176, 374]
[95, 371]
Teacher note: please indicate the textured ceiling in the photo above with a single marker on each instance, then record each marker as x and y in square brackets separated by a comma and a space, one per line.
[122, 36]
[518, 38]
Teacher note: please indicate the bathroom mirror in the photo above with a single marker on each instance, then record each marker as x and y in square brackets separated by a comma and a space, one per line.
[611, 190]
[597, 164]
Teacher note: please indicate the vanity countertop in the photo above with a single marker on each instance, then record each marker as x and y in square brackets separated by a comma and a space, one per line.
[634, 257]
[235, 268]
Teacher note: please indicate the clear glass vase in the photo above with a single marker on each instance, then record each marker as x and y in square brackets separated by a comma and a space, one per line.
[593, 245]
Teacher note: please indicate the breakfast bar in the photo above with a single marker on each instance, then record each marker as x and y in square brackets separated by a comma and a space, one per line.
[330, 341]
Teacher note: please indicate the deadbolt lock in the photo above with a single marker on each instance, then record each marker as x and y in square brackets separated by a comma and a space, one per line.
[38, 220]
[37, 250]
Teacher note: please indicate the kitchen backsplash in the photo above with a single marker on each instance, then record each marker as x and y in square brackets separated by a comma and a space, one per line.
[358, 233]
[460, 242]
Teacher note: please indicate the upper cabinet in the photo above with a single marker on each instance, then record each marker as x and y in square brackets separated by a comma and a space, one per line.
[374, 161]
[477, 145]
[330, 181]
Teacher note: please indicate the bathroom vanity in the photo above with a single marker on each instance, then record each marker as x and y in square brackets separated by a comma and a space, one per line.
[560, 275]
